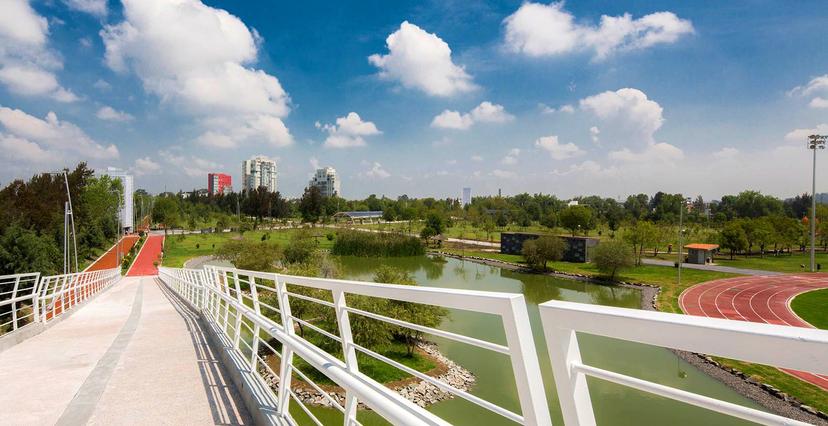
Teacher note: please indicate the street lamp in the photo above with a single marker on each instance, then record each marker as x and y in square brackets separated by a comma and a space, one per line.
[815, 142]
[684, 203]
[68, 219]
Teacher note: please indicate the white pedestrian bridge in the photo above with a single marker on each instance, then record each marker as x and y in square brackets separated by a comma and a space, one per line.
[220, 346]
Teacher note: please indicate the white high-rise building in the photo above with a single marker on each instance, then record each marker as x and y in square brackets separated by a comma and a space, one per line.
[327, 181]
[467, 196]
[259, 171]
[126, 204]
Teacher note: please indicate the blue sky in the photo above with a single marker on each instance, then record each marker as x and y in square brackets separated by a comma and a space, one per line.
[582, 97]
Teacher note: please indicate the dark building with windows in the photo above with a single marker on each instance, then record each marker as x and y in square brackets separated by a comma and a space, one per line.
[578, 249]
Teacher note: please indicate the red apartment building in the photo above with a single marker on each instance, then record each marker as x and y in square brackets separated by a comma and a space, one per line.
[217, 183]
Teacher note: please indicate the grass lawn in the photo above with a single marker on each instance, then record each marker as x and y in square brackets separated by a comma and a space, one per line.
[811, 307]
[805, 392]
[665, 277]
[178, 249]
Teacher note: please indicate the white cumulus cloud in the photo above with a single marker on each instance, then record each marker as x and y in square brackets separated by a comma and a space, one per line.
[145, 166]
[27, 65]
[39, 140]
[537, 30]
[348, 131]
[511, 157]
[93, 7]
[377, 171]
[200, 58]
[421, 60]
[486, 112]
[111, 114]
[557, 150]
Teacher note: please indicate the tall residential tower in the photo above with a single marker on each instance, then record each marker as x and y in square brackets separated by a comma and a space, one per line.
[126, 208]
[219, 183]
[327, 181]
[259, 171]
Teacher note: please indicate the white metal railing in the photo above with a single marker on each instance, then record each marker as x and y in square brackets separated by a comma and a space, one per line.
[17, 301]
[243, 305]
[780, 346]
[59, 293]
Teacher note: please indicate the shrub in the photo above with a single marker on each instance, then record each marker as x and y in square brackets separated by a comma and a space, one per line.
[368, 244]
[610, 257]
[540, 251]
[250, 255]
[300, 249]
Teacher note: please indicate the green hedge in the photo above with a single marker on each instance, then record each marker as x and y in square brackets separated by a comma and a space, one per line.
[369, 244]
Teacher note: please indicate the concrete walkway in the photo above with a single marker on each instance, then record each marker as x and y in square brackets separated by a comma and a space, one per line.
[133, 355]
[717, 268]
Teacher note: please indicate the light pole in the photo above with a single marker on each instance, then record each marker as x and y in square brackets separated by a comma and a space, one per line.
[68, 221]
[815, 142]
[684, 203]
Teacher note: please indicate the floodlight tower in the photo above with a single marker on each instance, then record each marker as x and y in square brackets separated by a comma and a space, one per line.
[815, 142]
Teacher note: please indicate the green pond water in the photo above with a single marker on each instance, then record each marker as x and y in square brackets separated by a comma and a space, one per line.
[613, 404]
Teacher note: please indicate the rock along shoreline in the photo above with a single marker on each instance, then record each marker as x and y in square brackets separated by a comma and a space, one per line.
[418, 391]
[762, 393]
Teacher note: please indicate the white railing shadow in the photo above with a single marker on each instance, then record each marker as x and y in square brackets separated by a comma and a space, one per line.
[243, 304]
[780, 346]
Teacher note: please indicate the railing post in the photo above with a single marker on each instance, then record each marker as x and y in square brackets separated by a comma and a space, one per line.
[344, 324]
[36, 298]
[573, 392]
[286, 361]
[226, 305]
[525, 365]
[240, 299]
[254, 347]
[14, 304]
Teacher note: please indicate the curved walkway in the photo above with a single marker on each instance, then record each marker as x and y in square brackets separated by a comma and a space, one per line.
[149, 253]
[756, 299]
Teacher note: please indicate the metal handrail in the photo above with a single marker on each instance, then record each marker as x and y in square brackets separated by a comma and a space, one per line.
[221, 293]
[59, 293]
[780, 346]
[17, 295]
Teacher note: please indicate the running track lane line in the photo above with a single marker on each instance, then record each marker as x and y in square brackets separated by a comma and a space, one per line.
[762, 305]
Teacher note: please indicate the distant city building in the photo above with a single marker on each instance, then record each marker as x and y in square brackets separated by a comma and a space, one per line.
[259, 171]
[327, 181]
[219, 183]
[572, 203]
[127, 202]
[466, 199]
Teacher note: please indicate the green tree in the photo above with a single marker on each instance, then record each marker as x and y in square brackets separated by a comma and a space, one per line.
[165, 211]
[575, 218]
[549, 220]
[610, 257]
[417, 313]
[540, 251]
[732, 237]
[310, 206]
[250, 255]
[639, 236]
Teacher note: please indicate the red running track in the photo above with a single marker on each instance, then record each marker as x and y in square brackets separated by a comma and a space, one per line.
[150, 252]
[109, 259]
[757, 299]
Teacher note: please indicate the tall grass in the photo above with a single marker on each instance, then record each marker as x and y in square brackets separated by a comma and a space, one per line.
[369, 244]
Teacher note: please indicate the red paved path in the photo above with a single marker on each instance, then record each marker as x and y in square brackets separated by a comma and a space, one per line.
[109, 259]
[150, 252]
[756, 299]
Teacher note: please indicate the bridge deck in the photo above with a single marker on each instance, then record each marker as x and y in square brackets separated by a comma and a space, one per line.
[134, 354]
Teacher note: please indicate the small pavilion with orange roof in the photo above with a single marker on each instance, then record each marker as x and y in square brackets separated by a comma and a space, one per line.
[701, 253]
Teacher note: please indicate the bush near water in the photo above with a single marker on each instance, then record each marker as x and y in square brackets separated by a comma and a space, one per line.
[370, 244]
